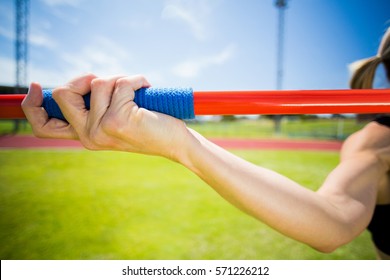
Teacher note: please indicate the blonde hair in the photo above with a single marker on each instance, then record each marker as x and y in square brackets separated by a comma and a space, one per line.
[364, 70]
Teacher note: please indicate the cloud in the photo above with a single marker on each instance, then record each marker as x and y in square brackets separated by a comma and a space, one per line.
[191, 68]
[54, 3]
[193, 14]
[7, 70]
[175, 12]
[57, 9]
[101, 56]
[35, 38]
[35, 73]
[42, 40]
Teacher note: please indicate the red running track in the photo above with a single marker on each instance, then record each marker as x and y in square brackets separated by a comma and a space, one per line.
[28, 142]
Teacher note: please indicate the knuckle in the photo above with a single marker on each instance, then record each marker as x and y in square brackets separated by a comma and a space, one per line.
[88, 144]
[122, 82]
[59, 93]
[90, 76]
[113, 125]
[97, 138]
[98, 82]
[41, 131]
[38, 133]
[140, 77]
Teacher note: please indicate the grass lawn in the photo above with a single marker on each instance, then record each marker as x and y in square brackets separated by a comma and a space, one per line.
[76, 204]
[262, 128]
[290, 128]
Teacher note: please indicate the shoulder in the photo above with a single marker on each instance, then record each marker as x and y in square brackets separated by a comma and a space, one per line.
[383, 120]
[374, 137]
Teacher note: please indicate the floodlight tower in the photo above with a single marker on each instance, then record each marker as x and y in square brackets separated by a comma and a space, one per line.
[281, 5]
[21, 49]
[21, 42]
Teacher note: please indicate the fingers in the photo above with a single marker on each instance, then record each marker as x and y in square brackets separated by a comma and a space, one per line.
[125, 88]
[101, 93]
[110, 108]
[31, 106]
[43, 126]
[108, 96]
[81, 84]
[70, 99]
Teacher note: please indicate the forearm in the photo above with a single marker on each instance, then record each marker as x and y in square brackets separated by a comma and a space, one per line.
[268, 196]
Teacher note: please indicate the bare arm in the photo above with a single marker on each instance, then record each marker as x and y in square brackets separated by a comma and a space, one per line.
[326, 219]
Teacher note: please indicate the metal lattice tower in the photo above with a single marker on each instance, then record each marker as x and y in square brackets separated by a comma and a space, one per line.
[21, 41]
[21, 49]
[281, 5]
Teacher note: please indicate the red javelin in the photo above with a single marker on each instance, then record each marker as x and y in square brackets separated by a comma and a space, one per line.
[262, 102]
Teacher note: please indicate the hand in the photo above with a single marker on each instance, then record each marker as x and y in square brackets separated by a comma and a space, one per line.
[114, 121]
[42, 126]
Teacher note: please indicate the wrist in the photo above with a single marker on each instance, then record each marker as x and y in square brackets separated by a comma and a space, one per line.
[189, 149]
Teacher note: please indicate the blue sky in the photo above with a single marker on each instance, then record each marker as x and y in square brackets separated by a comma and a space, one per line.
[205, 44]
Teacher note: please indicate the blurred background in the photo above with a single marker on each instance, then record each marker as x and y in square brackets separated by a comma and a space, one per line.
[218, 44]
[207, 45]
[75, 204]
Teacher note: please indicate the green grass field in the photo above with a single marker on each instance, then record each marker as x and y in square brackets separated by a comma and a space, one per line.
[76, 204]
[262, 128]
[290, 128]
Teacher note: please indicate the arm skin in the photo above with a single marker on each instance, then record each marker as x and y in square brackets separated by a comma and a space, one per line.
[339, 211]
[334, 215]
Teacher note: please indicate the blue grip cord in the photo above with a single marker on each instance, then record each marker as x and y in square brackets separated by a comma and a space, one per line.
[176, 102]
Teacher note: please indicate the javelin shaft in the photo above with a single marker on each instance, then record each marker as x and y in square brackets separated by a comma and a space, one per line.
[286, 102]
[292, 102]
[10, 106]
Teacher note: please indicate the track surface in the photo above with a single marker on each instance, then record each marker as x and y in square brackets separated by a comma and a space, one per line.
[28, 142]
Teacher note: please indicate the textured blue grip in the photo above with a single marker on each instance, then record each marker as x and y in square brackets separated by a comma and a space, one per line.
[176, 102]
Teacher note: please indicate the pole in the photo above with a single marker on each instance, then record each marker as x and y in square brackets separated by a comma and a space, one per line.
[271, 102]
